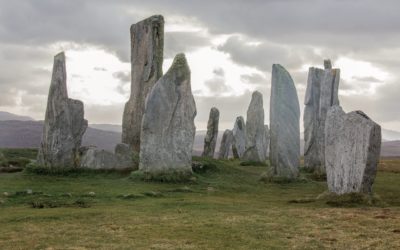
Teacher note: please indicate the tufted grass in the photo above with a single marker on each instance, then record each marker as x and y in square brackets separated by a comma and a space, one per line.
[225, 207]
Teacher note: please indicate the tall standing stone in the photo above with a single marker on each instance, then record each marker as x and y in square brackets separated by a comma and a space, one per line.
[212, 133]
[226, 144]
[168, 128]
[256, 145]
[321, 94]
[147, 43]
[64, 123]
[239, 138]
[285, 127]
[352, 150]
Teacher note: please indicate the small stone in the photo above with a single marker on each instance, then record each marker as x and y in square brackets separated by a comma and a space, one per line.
[29, 191]
[210, 141]
[92, 194]
[94, 158]
[239, 138]
[6, 194]
[226, 144]
[256, 145]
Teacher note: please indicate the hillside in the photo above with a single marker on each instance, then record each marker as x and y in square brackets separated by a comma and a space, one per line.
[6, 116]
[27, 134]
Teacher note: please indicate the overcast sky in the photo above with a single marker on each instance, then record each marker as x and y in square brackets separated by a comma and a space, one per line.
[230, 45]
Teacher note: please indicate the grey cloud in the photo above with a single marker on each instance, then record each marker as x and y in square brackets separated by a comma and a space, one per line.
[253, 78]
[367, 79]
[219, 72]
[217, 84]
[382, 107]
[182, 42]
[289, 31]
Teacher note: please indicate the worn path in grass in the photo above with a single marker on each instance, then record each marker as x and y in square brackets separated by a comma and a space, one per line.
[226, 208]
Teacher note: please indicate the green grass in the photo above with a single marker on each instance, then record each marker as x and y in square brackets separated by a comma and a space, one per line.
[225, 207]
[19, 157]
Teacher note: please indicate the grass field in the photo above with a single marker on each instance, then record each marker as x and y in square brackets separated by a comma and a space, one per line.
[224, 208]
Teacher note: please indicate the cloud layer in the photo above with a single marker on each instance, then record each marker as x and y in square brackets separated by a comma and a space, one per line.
[252, 34]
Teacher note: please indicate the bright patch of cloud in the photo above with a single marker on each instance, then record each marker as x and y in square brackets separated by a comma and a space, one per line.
[93, 86]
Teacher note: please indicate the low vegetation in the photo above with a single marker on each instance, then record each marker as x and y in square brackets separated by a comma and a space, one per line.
[225, 206]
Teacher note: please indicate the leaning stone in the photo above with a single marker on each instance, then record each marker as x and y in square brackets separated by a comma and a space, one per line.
[239, 138]
[64, 123]
[212, 133]
[284, 122]
[321, 94]
[147, 44]
[168, 128]
[226, 144]
[256, 145]
[352, 151]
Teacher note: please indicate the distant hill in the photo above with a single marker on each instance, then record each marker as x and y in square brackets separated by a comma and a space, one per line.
[390, 135]
[6, 116]
[24, 132]
[27, 134]
[107, 127]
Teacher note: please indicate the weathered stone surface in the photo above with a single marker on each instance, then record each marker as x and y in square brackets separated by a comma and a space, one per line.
[168, 123]
[327, 64]
[64, 123]
[256, 145]
[147, 44]
[226, 144]
[352, 150]
[285, 127]
[239, 138]
[267, 138]
[321, 93]
[94, 158]
[212, 133]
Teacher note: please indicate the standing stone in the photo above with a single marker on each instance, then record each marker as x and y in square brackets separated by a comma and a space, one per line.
[168, 128]
[239, 138]
[285, 127]
[256, 145]
[321, 94]
[64, 123]
[226, 144]
[212, 133]
[147, 43]
[352, 150]
[267, 138]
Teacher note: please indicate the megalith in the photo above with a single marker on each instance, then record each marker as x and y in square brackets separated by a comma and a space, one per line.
[285, 128]
[239, 138]
[212, 133]
[352, 151]
[226, 144]
[64, 123]
[256, 145]
[168, 127]
[321, 94]
[147, 44]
